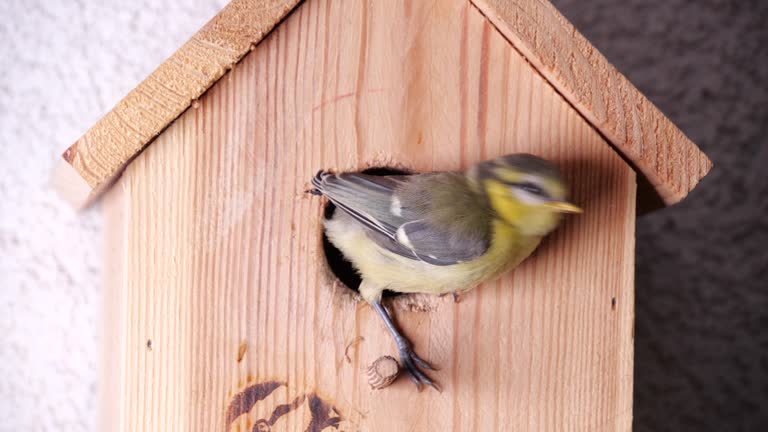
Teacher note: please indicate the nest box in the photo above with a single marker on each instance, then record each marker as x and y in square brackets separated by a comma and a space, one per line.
[222, 313]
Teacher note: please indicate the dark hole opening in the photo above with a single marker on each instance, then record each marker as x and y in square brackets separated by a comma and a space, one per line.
[340, 266]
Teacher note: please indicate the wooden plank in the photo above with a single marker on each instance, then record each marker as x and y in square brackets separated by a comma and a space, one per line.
[224, 269]
[660, 151]
[113, 365]
[100, 155]
[657, 148]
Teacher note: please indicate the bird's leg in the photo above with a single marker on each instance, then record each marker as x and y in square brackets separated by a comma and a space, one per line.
[410, 360]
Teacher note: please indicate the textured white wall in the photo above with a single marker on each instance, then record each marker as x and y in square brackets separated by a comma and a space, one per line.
[62, 66]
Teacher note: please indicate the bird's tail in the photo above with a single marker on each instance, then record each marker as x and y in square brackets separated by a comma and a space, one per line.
[317, 182]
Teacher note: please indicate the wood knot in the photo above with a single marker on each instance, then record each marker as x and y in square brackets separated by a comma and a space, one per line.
[383, 372]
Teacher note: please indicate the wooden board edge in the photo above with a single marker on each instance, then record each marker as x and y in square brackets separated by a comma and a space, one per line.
[70, 185]
[626, 350]
[637, 129]
[112, 367]
[100, 155]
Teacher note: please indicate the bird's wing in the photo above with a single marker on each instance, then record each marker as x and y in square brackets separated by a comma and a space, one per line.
[366, 198]
[398, 215]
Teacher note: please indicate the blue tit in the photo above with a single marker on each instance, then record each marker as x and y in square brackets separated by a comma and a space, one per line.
[442, 232]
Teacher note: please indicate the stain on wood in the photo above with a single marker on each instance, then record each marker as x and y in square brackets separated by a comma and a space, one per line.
[246, 399]
[241, 351]
[322, 414]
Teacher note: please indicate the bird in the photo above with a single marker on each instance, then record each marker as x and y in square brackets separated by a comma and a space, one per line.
[440, 232]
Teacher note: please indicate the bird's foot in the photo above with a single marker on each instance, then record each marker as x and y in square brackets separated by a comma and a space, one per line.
[410, 361]
[412, 364]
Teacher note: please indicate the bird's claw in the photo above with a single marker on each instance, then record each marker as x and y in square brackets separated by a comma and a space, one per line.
[411, 362]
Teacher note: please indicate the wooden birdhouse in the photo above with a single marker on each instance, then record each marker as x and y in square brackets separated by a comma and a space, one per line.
[222, 311]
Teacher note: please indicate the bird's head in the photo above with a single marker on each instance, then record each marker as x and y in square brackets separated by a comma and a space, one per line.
[523, 190]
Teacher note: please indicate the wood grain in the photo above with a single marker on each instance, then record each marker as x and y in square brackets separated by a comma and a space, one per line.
[113, 366]
[100, 155]
[657, 148]
[220, 246]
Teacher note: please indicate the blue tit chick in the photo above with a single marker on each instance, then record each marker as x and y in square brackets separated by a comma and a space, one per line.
[443, 232]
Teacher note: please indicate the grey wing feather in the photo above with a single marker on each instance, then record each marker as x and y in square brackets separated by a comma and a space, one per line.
[407, 231]
[366, 198]
[440, 247]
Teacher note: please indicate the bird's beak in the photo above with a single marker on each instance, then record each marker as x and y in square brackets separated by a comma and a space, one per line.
[563, 207]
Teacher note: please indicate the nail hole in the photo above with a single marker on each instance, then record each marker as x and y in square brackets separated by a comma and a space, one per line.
[149, 344]
[613, 303]
[338, 264]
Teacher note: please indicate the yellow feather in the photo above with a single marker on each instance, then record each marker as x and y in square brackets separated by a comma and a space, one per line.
[382, 269]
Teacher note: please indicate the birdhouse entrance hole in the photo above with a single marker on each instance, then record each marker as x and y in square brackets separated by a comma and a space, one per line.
[339, 265]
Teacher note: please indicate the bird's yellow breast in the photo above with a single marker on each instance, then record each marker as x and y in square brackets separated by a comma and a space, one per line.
[381, 269]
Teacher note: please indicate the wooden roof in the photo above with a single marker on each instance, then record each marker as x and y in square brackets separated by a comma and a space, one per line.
[636, 128]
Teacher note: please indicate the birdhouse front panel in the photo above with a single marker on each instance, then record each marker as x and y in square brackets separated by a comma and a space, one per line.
[223, 312]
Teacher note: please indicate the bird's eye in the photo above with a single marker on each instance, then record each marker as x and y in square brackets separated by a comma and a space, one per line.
[531, 188]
